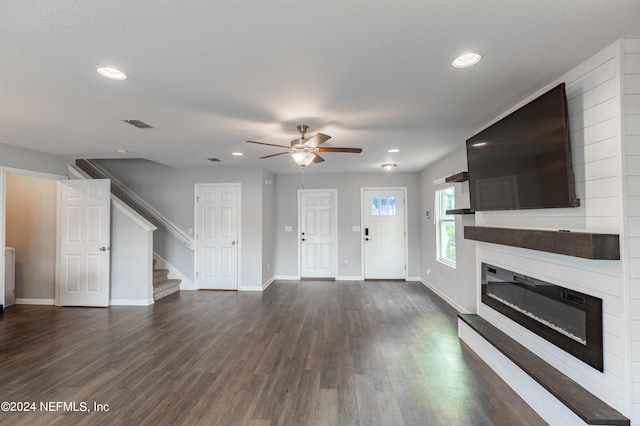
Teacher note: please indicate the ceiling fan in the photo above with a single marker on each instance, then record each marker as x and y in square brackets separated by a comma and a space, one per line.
[304, 150]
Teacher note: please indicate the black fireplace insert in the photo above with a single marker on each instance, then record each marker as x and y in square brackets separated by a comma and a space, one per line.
[569, 319]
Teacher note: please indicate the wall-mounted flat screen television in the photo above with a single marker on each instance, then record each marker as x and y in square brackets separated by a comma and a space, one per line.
[523, 161]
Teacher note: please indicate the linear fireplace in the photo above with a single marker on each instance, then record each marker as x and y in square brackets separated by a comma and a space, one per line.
[569, 319]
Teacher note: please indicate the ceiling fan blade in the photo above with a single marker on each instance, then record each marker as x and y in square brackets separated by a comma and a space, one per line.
[270, 144]
[351, 150]
[318, 159]
[317, 139]
[273, 155]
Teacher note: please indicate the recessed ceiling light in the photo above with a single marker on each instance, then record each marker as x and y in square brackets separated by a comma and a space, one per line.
[112, 73]
[388, 166]
[466, 60]
[237, 154]
[394, 150]
[121, 151]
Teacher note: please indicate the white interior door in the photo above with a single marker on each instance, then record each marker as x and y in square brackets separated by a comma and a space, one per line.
[217, 236]
[85, 232]
[384, 233]
[317, 227]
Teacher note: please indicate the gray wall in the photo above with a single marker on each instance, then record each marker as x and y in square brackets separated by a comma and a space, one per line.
[12, 156]
[131, 261]
[456, 285]
[31, 229]
[171, 191]
[268, 225]
[349, 214]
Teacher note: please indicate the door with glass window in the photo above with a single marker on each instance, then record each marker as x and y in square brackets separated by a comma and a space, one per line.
[384, 233]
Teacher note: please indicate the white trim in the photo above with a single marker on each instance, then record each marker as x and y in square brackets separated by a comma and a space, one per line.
[349, 278]
[250, 288]
[185, 283]
[132, 214]
[268, 283]
[334, 216]
[131, 302]
[34, 302]
[287, 277]
[240, 244]
[75, 172]
[444, 297]
[414, 279]
[406, 223]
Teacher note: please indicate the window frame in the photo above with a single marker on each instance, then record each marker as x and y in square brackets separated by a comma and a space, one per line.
[440, 219]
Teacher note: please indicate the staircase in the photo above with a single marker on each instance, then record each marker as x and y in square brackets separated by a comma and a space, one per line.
[162, 285]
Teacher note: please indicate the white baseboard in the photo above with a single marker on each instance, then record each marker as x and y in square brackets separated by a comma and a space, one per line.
[185, 283]
[444, 297]
[34, 302]
[413, 279]
[130, 302]
[268, 283]
[249, 288]
[287, 277]
[349, 278]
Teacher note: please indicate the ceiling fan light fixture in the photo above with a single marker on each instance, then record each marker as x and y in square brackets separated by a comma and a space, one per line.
[303, 158]
[388, 166]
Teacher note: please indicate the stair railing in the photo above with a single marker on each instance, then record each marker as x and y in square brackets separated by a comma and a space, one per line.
[134, 201]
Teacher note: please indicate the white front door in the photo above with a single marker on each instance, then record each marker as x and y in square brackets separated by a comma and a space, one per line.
[217, 236]
[85, 233]
[317, 219]
[384, 233]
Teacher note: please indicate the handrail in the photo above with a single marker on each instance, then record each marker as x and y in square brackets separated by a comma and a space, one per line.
[134, 201]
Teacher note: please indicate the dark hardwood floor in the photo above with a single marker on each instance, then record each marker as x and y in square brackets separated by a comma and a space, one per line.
[301, 353]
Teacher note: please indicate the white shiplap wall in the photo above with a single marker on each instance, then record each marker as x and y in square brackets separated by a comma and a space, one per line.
[594, 97]
[631, 150]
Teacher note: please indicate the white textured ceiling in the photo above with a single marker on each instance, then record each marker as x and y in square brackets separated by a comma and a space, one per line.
[210, 74]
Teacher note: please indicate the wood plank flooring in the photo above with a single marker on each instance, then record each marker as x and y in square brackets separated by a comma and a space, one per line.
[301, 353]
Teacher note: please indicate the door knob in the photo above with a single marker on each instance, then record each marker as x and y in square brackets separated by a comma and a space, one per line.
[104, 248]
[233, 242]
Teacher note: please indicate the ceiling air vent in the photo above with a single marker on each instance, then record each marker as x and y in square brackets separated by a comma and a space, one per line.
[214, 160]
[138, 123]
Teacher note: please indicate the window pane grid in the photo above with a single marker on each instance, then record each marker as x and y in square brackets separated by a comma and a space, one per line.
[445, 226]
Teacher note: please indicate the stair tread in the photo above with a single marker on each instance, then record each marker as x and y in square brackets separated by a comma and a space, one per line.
[160, 271]
[166, 283]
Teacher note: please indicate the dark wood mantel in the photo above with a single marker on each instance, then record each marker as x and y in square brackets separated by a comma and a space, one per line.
[586, 245]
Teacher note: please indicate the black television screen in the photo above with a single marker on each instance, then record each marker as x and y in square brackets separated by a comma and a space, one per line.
[523, 161]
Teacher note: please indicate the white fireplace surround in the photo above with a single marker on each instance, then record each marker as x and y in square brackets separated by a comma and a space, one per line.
[601, 125]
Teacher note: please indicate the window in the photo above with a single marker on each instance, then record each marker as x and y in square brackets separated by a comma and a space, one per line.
[383, 206]
[445, 226]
